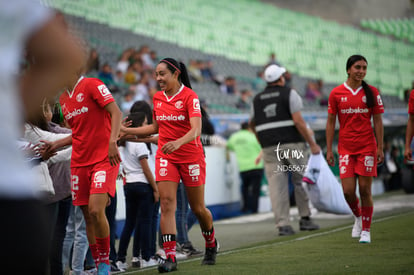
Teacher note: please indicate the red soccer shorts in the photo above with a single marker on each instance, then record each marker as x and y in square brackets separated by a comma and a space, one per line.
[192, 174]
[99, 178]
[362, 164]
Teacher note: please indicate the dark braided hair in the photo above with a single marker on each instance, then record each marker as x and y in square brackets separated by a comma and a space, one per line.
[173, 65]
[368, 92]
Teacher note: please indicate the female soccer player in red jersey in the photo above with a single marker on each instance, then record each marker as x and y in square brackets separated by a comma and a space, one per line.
[95, 119]
[177, 119]
[355, 102]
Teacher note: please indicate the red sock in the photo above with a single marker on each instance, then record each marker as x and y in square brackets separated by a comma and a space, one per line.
[355, 207]
[95, 253]
[169, 244]
[103, 249]
[209, 237]
[366, 217]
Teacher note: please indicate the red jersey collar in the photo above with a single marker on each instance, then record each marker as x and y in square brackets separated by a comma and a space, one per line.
[70, 93]
[171, 98]
[351, 90]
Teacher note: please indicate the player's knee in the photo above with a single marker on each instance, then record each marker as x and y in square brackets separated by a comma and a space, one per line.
[167, 204]
[95, 213]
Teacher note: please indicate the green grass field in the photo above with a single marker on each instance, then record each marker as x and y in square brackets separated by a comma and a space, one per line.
[326, 251]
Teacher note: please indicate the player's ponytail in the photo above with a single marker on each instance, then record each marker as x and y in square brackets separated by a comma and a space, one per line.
[368, 92]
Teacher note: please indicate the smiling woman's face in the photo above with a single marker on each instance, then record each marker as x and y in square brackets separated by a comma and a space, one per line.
[165, 78]
[358, 70]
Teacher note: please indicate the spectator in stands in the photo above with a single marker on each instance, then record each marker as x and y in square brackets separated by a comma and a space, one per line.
[154, 57]
[93, 64]
[258, 83]
[194, 70]
[360, 148]
[229, 86]
[246, 147]
[312, 94]
[147, 61]
[123, 61]
[130, 76]
[107, 77]
[280, 129]
[244, 101]
[273, 60]
[142, 89]
[207, 71]
[119, 78]
[127, 102]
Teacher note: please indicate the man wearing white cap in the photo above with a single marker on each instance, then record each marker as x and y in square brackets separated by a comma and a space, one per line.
[282, 132]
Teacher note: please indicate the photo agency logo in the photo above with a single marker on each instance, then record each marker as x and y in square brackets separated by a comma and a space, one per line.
[289, 160]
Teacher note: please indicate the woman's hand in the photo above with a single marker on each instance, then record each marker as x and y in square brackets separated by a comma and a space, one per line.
[380, 156]
[170, 147]
[156, 195]
[330, 158]
[113, 154]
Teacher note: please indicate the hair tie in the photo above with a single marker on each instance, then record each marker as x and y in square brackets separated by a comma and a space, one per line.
[166, 61]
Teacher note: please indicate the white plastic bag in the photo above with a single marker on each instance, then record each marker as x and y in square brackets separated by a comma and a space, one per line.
[324, 190]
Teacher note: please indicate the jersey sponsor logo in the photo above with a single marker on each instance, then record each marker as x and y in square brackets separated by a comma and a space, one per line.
[99, 178]
[170, 118]
[104, 90]
[194, 170]
[379, 100]
[163, 172]
[369, 161]
[355, 110]
[179, 104]
[80, 97]
[76, 112]
[196, 104]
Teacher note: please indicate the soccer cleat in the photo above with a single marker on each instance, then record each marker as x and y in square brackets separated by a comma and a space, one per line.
[357, 228]
[136, 262]
[168, 265]
[286, 230]
[365, 237]
[210, 254]
[188, 249]
[307, 224]
[104, 269]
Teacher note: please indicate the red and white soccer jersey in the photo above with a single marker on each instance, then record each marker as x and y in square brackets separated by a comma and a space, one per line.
[411, 103]
[83, 109]
[173, 118]
[356, 135]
